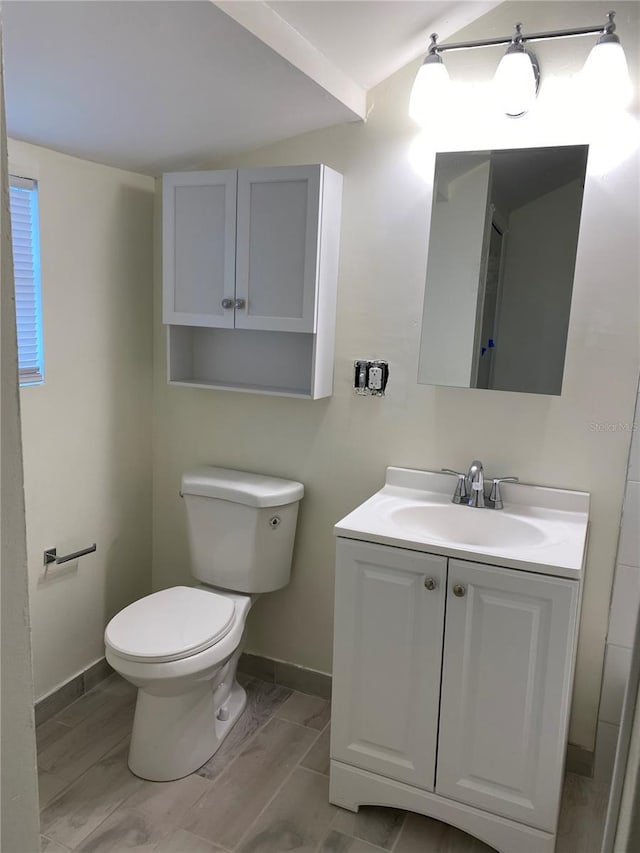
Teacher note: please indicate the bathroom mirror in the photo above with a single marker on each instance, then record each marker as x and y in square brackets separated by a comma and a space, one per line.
[500, 268]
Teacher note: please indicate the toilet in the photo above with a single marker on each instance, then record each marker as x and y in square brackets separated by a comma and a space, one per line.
[181, 646]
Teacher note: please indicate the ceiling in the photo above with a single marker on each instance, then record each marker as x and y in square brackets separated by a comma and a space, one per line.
[155, 86]
[371, 40]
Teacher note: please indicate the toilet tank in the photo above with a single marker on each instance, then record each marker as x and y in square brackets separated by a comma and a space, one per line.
[241, 528]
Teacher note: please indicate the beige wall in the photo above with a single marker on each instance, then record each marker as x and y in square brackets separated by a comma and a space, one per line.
[339, 447]
[87, 456]
[19, 824]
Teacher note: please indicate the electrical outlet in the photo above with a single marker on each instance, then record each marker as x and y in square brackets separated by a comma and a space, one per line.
[370, 377]
[375, 378]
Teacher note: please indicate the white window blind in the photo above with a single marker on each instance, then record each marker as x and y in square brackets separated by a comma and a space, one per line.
[23, 196]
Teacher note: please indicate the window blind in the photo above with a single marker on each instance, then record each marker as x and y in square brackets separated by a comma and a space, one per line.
[23, 197]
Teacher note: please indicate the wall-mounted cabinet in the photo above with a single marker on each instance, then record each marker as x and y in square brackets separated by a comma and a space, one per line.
[250, 267]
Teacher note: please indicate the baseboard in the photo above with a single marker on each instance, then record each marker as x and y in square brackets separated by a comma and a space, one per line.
[286, 674]
[71, 690]
[580, 761]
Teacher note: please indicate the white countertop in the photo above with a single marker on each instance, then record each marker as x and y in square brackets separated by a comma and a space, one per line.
[556, 521]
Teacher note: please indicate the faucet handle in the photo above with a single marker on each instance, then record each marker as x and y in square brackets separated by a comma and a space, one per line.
[461, 488]
[495, 494]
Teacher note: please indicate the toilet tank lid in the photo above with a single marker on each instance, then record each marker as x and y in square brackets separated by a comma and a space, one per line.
[242, 487]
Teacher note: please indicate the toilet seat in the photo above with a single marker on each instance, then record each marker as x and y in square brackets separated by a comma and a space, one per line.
[170, 625]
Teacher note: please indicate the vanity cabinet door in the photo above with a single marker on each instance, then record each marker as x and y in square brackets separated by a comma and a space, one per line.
[199, 248]
[278, 248]
[387, 659]
[505, 690]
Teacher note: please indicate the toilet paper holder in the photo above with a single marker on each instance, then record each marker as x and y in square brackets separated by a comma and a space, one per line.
[51, 555]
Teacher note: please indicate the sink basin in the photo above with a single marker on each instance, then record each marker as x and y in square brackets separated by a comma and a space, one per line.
[465, 526]
[540, 529]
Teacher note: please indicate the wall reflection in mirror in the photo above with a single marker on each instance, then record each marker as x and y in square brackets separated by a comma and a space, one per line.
[500, 268]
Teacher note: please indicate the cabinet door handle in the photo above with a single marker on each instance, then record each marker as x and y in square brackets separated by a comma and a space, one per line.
[430, 583]
[459, 589]
[239, 303]
[227, 303]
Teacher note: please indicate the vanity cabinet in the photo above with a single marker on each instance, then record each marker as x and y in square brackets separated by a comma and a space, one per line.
[386, 678]
[452, 677]
[508, 651]
[250, 263]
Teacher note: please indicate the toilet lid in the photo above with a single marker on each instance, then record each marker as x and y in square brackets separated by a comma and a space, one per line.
[171, 624]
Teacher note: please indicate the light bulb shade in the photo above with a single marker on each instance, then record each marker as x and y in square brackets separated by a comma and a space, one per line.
[516, 82]
[430, 90]
[605, 77]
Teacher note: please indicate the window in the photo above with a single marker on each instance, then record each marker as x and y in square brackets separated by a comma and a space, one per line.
[23, 197]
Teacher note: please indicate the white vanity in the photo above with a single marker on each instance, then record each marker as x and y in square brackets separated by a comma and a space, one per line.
[454, 653]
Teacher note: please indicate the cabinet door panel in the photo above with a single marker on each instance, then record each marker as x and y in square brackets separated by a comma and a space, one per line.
[387, 658]
[199, 216]
[505, 691]
[277, 252]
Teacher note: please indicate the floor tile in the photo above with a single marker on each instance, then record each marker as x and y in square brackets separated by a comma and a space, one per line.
[85, 743]
[48, 733]
[240, 793]
[114, 692]
[96, 674]
[146, 817]
[122, 830]
[80, 808]
[375, 824]
[60, 698]
[49, 786]
[337, 842]
[182, 841]
[309, 711]
[421, 833]
[165, 803]
[582, 815]
[49, 846]
[318, 756]
[263, 699]
[296, 820]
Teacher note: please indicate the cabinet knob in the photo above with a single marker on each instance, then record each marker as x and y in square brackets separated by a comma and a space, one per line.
[227, 303]
[239, 303]
[430, 583]
[459, 590]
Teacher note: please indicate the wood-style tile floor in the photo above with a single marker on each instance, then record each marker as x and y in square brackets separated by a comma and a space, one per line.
[265, 791]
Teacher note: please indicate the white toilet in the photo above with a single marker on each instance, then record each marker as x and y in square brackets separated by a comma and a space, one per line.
[181, 646]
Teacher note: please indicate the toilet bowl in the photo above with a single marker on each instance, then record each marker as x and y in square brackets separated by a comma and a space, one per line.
[188, 695]
[180, 646]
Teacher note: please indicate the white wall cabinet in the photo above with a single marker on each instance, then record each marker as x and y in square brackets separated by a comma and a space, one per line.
[199, 247]
[250, 265]
[469, 710]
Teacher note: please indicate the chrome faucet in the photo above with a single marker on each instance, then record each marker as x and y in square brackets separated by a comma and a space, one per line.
[470, 487]
[475, 480]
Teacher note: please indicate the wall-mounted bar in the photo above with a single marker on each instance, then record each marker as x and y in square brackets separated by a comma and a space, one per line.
[51, 556]
[554, 34]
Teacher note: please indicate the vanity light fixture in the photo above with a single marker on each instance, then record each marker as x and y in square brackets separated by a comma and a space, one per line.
[517, 78]
[431, 84]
